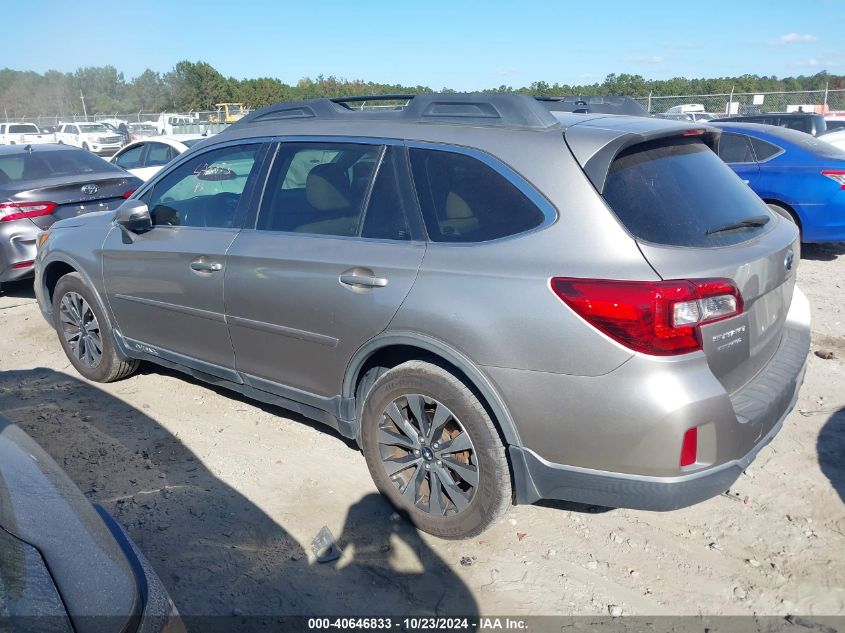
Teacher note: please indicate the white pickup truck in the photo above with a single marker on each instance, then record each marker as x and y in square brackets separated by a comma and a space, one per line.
[94, 137]
[23, 134]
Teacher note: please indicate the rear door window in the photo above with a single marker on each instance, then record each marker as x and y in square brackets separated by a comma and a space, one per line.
[465, 200]
[763, 150]
[130, 159]
[678, 193]
[734, 148]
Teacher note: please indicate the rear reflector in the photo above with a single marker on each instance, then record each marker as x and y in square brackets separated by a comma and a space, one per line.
[689, 447]
[22, 265]
[654, 317]
[836, 175]
[695, 132]
[19, 210]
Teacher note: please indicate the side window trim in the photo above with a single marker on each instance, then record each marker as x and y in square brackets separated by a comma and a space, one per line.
[365, 203]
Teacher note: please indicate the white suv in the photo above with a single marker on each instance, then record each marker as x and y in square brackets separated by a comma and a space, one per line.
[94, 137]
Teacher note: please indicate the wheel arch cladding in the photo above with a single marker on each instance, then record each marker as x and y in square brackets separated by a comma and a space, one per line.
[393, 349]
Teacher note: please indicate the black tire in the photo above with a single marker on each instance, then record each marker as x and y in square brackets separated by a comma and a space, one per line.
[85, 147]
[484, 503]
[108, 367]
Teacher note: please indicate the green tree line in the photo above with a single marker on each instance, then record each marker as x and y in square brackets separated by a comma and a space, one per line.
[197, 86]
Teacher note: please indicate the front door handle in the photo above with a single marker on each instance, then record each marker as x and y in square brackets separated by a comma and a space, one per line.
[363, 281]
[205, 266]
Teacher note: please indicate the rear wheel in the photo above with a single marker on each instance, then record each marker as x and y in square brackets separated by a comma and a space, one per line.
[434, 452]
[786, 213]
[85, 334]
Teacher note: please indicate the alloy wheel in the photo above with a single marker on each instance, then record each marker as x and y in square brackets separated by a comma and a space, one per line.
[80, 329]
[428, 455]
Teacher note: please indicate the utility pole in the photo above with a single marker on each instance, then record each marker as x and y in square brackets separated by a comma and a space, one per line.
[84, 111]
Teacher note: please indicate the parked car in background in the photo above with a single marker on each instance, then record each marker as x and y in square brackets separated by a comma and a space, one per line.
[835, 138]
[137, 131]
[44, 183]
[145, 158]
[123, 134]
[834, 122]
[797, 175]
[65, 564]
[48, 130]
[595, 104]
[167, 121]
[94, 137]
[22, 134]
[807, 122]
[361, 267]
[686, 116]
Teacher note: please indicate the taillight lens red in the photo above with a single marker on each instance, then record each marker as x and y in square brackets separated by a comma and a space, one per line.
[19, 210]
[836, 175]
[126, 194]
[689, 447]
[654, 317]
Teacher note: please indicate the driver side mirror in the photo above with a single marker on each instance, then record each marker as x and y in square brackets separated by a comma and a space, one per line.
[134, 216]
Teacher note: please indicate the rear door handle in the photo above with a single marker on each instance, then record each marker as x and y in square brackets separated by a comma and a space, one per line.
[363, 281]
[205, 266]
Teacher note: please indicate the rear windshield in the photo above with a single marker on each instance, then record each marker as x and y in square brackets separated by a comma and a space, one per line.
[23, 129]
[51, 164]
[678, 192]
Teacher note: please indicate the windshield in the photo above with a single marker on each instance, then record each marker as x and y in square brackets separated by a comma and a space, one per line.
[92, 128]
[677, 192]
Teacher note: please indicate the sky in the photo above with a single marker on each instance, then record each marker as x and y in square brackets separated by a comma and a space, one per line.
[457, 44]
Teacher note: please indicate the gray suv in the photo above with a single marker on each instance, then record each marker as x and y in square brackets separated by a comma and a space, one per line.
[499, 303]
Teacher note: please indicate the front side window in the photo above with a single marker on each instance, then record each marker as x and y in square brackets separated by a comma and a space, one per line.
[318, 188]
[464, 200]
[204, 191]
[131, 158]
[734, 148]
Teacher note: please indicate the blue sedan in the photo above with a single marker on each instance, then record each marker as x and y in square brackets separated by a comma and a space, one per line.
[798, 175]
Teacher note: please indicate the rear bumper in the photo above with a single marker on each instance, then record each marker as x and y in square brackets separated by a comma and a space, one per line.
[823, 222]
[749, 421]
[17, 247]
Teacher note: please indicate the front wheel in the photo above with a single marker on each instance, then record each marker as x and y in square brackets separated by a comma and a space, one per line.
[434, 452]
[84, 332]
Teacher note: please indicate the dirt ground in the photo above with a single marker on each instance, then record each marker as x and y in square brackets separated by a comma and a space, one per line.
[225, 495]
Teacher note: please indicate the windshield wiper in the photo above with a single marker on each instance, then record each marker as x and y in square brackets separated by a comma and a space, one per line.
[748, 223]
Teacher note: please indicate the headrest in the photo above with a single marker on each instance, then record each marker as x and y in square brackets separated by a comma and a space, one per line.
[327, 187]
[457, 208]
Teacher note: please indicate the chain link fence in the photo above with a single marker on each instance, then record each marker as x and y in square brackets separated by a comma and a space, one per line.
[820, 101]
[203, 119]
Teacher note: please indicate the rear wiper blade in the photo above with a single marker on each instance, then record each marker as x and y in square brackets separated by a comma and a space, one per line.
[748, 223]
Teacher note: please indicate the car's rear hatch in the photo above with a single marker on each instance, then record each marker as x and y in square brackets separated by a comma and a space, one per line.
[693, 218]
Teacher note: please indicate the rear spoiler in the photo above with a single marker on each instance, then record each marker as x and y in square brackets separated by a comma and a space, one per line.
[595, 143]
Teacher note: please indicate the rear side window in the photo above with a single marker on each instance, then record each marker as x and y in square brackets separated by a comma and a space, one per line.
[734, 148]
[131, 158]
[677, 193]
[762, 149]
[464, 200]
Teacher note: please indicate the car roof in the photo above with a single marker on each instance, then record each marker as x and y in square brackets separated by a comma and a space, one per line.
[9, 150]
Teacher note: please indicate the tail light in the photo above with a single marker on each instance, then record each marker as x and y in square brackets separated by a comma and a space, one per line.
[836, 175]
[19, 210]
[126, 194]
[689, 447]
[654, 317]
